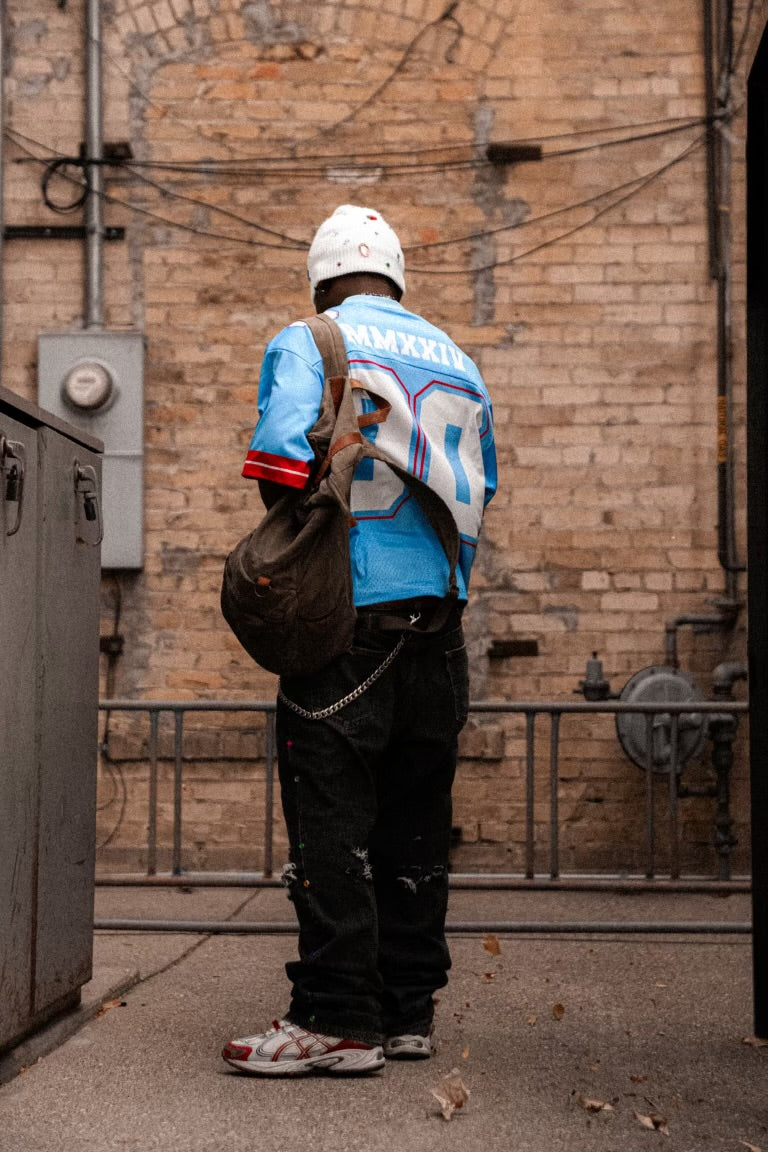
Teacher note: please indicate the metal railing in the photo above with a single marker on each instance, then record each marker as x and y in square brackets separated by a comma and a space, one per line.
[531, 712]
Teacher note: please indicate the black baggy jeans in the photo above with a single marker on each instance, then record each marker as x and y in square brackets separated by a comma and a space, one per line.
[366, 795]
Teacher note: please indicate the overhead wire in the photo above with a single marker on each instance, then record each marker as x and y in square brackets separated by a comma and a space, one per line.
[356, 170]
[693, 123]
[486, 232]
[360, 160]
[266, 166]
[58, 166]
[31, 140]
[528, 221]
[62, 162]
[628, 188]
[289, 242]
[297, 171]
[176, 224]
[428, 245]
[647, 180]
[641, 182]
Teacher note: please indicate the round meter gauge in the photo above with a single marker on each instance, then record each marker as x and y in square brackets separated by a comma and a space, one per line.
[88, 385]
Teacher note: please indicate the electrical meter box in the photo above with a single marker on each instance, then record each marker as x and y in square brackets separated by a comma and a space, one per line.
[95, 380]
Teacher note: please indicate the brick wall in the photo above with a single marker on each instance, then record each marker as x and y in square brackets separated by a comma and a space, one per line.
[593, 322]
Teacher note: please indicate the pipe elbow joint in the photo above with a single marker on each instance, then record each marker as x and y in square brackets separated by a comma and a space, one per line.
[726, 675]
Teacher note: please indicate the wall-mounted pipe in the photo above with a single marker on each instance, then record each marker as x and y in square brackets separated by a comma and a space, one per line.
[725, 462]
[723, 731]
[725, 676]
[94, 173]
[709, 107]
[703, 621]
[718, 62]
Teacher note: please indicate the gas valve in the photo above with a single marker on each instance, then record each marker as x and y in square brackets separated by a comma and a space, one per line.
[659, 685]
[594, 686]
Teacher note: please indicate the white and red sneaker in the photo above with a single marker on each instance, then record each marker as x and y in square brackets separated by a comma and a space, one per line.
[289, 1050]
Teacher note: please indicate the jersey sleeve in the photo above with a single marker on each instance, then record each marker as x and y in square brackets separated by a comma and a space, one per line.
[290, 393]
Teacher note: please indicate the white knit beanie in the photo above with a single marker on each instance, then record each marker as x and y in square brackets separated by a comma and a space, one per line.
[355, 239]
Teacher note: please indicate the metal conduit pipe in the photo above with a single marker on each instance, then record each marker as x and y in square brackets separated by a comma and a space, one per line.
[723, 731]
[94, 174]
[709, 108]
[717, 26]
[725, 455]
[725, 676]
[726, 618]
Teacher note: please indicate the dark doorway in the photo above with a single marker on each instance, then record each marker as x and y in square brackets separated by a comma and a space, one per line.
[757, 516]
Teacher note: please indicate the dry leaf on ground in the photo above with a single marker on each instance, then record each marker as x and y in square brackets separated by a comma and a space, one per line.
[591, 1105]
[751, 1147]
[558, 1011]
[105, 1007]
[654, 1122]
[465, 1053]
[491, 944]
[755, 1041]
[451, 1093]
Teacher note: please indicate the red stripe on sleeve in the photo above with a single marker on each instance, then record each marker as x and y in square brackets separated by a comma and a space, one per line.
[278, 469]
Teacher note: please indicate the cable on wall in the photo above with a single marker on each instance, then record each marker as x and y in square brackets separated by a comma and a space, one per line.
[641, 182]
[628, 189]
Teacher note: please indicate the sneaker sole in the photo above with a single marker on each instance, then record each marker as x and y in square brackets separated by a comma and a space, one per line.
[350, 1063]
[410, 1050]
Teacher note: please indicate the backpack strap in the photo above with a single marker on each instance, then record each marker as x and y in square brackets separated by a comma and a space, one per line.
[330, 343]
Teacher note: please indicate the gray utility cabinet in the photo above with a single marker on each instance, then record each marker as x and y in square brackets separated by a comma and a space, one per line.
[50, 528]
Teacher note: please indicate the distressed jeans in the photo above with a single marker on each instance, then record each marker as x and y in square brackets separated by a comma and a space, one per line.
[366, 795]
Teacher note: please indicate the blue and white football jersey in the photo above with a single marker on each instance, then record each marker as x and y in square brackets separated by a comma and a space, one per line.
[440, 428]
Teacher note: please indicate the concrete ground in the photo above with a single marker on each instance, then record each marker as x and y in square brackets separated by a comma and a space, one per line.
[565, 1042]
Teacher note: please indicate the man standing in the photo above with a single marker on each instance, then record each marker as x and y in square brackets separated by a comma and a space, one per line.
[367, 746]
